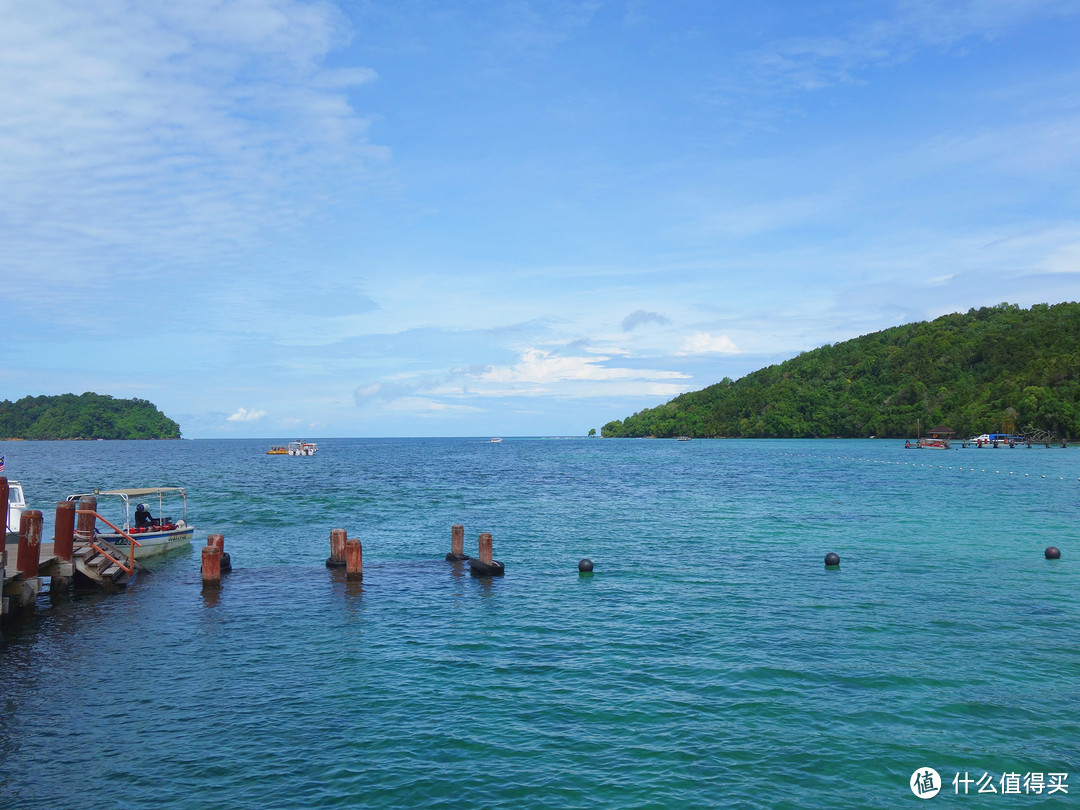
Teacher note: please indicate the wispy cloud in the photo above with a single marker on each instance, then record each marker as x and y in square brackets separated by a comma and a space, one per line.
[635, 319]
[899, 31]
[537, 372]
[140, 136]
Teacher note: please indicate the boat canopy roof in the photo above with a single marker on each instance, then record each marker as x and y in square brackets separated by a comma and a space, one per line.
[133, 493]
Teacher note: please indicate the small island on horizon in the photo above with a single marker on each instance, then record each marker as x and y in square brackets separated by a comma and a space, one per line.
[87, 416]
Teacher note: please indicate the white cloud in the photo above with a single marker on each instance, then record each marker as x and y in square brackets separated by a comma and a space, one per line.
[244, 415]
[538, 367]
[704, 343]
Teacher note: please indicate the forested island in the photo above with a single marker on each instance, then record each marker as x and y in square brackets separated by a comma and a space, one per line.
[88, 416]
[995, 369]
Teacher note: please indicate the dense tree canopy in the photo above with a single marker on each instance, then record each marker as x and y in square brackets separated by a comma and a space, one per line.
[996, 369]
[89, 416]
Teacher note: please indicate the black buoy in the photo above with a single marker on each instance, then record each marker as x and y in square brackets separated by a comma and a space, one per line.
[226, 562]
[585, 566]
[1053, 553]
[832, 560]
[480, 568]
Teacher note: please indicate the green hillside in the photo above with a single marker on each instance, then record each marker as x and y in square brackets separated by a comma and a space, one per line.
[996, 369]
[89, 416]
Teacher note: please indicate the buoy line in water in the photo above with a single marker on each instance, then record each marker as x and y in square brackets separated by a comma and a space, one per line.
[913, 465]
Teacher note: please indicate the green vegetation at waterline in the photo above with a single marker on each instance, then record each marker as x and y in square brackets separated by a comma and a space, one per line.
[90, 416]
[996, 369]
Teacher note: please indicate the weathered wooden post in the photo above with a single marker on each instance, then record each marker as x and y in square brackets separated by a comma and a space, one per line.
[218, 540]
[29, 543]
[457, 543]
[84, 526]
[354, 559]
[211, 566]
[484, 565]
[337, 549]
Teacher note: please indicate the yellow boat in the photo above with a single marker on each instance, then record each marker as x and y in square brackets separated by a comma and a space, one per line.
[278, 450]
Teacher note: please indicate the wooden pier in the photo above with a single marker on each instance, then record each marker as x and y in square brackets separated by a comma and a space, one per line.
[88, 567]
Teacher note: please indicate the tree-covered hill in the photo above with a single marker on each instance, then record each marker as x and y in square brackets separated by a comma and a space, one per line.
[996, 369]
[89, 416]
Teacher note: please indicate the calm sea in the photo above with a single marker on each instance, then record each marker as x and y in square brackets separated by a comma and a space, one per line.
[711, 660]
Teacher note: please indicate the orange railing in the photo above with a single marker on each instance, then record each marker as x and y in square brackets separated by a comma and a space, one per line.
[130, 567]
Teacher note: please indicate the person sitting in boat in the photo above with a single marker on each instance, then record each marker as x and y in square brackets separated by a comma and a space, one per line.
[143, 518]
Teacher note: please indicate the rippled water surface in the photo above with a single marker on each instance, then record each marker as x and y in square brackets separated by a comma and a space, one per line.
[711, 659]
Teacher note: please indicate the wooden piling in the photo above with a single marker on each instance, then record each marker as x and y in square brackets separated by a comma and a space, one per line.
[29, 543]
[337, 549]
[484, 565]
[484, 543]
[218, 541]
[211, 566]
[84, 526]
[457, 543]
[64, 532]
[354, 559]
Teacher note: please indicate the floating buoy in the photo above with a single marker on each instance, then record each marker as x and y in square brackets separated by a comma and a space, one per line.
[832, 560]
[1053, 553]
[585, 566]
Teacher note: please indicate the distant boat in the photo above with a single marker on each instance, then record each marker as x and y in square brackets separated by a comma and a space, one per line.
[494, 441]
[934, 444]
[302, 448]
[682, 439]
[278, 450]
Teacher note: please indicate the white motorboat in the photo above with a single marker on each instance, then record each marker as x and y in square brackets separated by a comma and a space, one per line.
[151, 535]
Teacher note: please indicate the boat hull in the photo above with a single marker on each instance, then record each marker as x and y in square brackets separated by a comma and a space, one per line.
[153, 543]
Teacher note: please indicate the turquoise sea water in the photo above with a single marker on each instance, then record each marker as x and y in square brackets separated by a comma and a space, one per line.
[710, 661]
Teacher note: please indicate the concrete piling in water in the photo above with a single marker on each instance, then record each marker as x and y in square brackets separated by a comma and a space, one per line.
[29, 543]
[63, 540]
[5, 494]
[218, 540]
[337, 549]
[64, 530]
[457, 543]
[354, 559]
[211, 566]
[483, 564]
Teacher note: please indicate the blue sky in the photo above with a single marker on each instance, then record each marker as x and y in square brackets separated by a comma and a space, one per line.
[276, 218]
